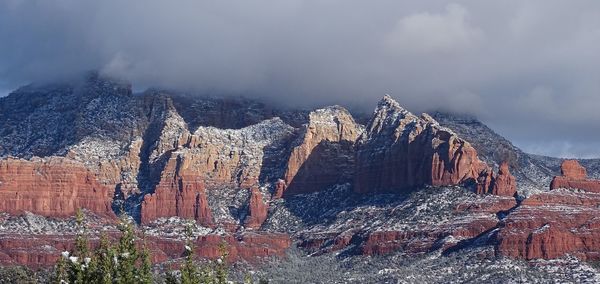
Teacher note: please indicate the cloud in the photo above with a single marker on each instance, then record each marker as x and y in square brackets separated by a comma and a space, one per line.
[527, 68]
[429, 33]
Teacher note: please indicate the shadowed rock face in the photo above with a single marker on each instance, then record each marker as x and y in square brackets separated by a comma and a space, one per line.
[54, 187]
[399, 151]
[324, 155]
[180, 193]
[574, 176]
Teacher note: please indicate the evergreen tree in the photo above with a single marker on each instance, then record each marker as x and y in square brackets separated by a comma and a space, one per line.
[127, 254]
[189, 271]
[221, 268]
[145, 270]
[105, 256]
[124, 263]
[60, 270]
[171, 278]
[80, 261]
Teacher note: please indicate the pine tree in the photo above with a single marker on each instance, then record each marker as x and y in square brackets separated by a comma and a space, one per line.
[60, 270]
[126, 253]
[80, 272]
[145, 270]
[123, 263]
[189, 271]
[221, 269]
[105, 256]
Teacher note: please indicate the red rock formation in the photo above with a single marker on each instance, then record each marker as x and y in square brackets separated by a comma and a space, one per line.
[477, 217]
[180, 193]
[325, 154]
[504, 183]
[257, 210]
[573, 170]
[54, 187]
[400, 151]
[552, 224]
[574, 176]
[484, 182]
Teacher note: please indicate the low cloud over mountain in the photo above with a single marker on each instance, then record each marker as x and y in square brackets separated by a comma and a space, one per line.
[527, 68]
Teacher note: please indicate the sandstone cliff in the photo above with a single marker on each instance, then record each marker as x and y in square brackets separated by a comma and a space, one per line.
[551, 225]
[324, 155]
[574, 176]
[55, 187]
[400, 151]
[180, 193]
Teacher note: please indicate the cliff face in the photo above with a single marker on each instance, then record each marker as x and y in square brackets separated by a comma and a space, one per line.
[400, 151]
[574, 176]
[180, 193]
[54, 187]
[325, 154]
[551, 225]
[238, 171]
[555, 223]
[209, 159]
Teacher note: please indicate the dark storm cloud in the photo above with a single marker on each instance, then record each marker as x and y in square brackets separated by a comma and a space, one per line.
[528, 68]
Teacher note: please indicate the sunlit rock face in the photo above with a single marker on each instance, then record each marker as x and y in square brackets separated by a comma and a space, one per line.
[53, 187]
[574, 176]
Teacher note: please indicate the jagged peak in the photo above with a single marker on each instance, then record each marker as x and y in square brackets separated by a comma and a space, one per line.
[388, 103]
[331, 115]
[390, 110]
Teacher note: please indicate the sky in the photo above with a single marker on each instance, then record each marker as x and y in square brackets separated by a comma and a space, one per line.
[528, 69]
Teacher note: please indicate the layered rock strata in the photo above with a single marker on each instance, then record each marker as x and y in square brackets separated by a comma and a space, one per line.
[181, 192]
[574, 176]
[551, 225]
[53, 187]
